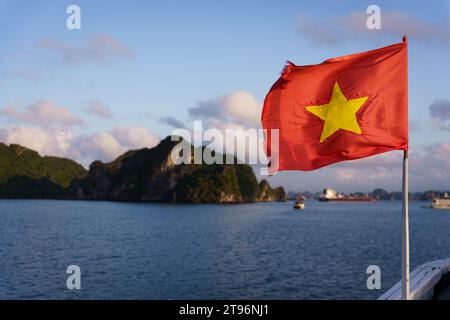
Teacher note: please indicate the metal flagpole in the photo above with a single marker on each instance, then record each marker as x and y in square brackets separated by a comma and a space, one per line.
[405, 232]
[405, 220]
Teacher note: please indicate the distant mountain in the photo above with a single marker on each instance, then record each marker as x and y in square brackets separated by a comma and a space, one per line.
[304, 194]
[138, 175]
[25, 174]
[378, 194]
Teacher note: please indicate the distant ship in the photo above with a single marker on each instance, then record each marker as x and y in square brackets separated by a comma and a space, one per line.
[332, 195]
[440, 203]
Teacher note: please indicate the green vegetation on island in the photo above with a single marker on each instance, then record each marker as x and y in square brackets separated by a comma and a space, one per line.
[25, 174]
[137, 175]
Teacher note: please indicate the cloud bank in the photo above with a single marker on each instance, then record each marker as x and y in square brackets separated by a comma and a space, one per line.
[352, 27]
[105, 146]
[108, 145]
[50, 129]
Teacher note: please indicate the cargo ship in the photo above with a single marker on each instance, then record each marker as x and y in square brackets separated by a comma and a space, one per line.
[333, 195]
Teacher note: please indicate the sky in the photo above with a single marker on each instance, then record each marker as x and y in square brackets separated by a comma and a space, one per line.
[138, 69]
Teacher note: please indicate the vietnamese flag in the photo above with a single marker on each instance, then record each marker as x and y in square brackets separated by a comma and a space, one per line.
[345, 108]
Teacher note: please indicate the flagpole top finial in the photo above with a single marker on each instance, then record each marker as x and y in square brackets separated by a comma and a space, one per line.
[405, 39]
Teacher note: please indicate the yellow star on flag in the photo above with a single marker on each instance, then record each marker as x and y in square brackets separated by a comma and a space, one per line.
[339, 113]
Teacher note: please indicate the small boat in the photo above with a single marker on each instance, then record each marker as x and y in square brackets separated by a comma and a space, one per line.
[299, 205]
[430, 281]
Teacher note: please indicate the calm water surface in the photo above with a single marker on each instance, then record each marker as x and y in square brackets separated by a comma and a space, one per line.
[254, 251]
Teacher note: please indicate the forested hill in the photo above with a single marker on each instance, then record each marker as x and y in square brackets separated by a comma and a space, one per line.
[24, 173]
[137, 175]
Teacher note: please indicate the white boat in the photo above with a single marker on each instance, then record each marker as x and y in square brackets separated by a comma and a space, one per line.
[299, 205]
[429, 281]
[440, 203]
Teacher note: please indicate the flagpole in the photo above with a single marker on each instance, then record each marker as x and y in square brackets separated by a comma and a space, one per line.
[405, 221]
[405, 232]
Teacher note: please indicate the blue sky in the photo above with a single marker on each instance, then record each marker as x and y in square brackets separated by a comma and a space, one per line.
[163, 58]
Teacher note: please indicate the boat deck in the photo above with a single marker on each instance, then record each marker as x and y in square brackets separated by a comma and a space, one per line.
[428, 281]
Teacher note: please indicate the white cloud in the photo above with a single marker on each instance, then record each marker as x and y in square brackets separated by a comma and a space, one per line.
[136, 137]
[48, 142]
[239, 111]
[107, 146]
[238, 106]
[44, 113]
[243, 105]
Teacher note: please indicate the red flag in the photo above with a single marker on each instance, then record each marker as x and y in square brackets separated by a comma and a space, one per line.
[345, 108]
